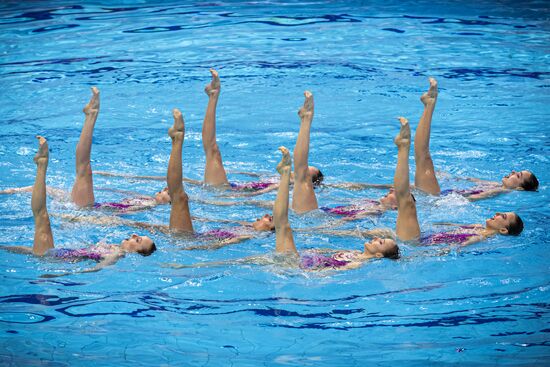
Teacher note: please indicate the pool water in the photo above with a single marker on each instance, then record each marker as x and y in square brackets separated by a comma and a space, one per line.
[366, 63]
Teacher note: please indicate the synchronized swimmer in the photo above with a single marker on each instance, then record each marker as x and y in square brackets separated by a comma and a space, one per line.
[304, 179]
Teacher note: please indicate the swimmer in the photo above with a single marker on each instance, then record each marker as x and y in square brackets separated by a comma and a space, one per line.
[43, 244]
[312, 260]
[407, 227]
[303, 195]
[501, 223]
[136, 202]
[82, 193]
[425, 178]
[519, 181]
[365, 207]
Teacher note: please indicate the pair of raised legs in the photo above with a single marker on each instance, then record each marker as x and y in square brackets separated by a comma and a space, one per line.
[214, 174]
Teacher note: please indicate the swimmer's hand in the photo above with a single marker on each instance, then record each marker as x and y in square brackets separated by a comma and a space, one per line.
[49, 276]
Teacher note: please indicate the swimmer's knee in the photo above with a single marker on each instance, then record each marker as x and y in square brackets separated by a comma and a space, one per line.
[214, 150]
[181, 197]
[84, 169]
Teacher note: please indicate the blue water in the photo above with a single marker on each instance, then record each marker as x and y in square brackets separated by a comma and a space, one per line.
[365, 62]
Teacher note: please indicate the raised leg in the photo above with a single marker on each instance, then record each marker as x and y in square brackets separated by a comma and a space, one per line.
[303, 196]
[407, 227]
[284, 240]
[214, 172]
[424, 177]
[43, 238]
[83, 188]
[180, 218]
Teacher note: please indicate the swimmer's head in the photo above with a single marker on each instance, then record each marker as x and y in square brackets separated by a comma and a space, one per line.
[522, 180]
[505, 223]
[382, 247]
[389, 200]
[316, 175]
[142, 245]
[264, 223]
[162, 197]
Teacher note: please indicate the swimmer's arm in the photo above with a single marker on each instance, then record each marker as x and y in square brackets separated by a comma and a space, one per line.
[124, 192]
[449, 224]
[267, 204]
[363, 214]
[104, 220]
[255, 260]
[138, 177]
[358, 186]
[487, 194]
[114, 221]
[229, 221]
[217, 244]
[152, 228]
[478, 180]
[127, 175]
[351, 266]
[340, 233]
[379, 232]
[106, 261]
[472, 240]
[270, 188]
[251, 174]
[259, 203]
[16, 190]
[323, 227]
[55, 193]
[18, 249]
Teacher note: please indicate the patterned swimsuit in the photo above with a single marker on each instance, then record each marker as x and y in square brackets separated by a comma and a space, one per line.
[95, 253]
[318, 261]
[251, 186]
[126, 204]
[449, 237]
[352, 210]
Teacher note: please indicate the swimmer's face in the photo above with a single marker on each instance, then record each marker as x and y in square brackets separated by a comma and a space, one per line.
[514, 179]
[390, 200]
[162, 197]
[380, 247]
[313, 171]
[315, 174]
[264, 223]
[501, 221]
[140, 244]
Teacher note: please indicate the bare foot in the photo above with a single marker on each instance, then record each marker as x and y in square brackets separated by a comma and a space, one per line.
[286, 161]
[178, 129]
[403, 139]
[306, 111]
[41, 156]
[214, 87]
[92, 106]
[430, 96]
